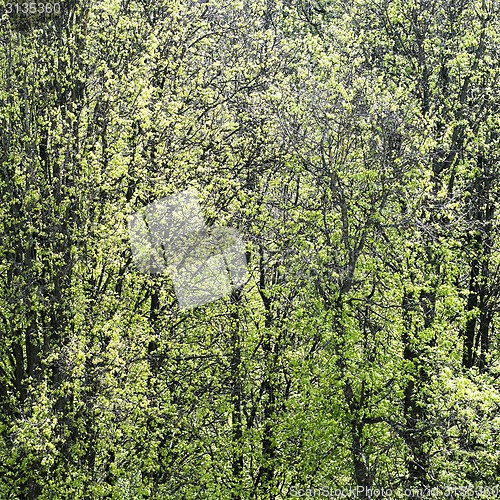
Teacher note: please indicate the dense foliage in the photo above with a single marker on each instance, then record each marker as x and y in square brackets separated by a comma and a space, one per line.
[355, 146]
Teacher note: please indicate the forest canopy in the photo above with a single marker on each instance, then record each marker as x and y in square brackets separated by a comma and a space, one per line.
[354, 146]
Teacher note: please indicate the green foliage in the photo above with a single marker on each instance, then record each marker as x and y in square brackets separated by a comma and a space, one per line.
[354, 145]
